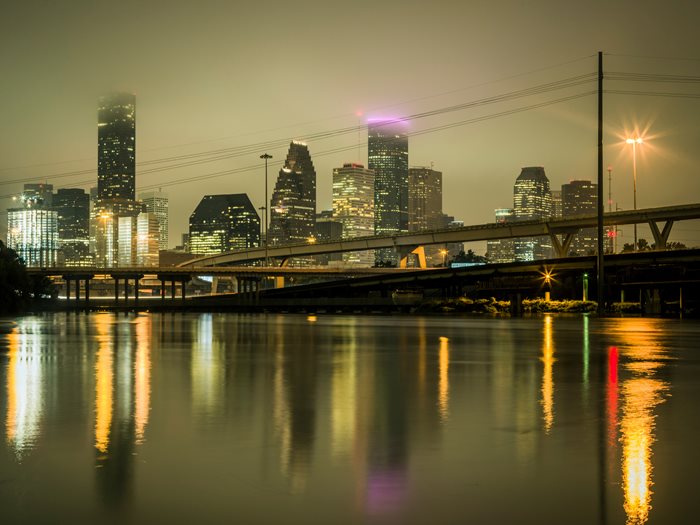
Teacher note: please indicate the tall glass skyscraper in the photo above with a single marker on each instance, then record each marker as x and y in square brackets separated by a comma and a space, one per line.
[293, 202]
[73, 208]
[116, 150]
[532, 200]
[387, 156]
[32, 229]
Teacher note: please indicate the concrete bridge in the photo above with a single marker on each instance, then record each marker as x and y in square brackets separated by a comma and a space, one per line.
[560, 231]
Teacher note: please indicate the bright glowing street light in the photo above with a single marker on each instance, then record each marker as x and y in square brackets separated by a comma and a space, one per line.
[444, 253]
[634, 143]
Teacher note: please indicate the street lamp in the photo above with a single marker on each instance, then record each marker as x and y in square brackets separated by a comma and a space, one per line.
[266, 157]
[634, 143]
[444, 257]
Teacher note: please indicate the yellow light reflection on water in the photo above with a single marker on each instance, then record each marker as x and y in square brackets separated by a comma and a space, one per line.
[104, 379]
[444, 383]
[640, 393]
[142, 373]
[24, 395]
[547, 389]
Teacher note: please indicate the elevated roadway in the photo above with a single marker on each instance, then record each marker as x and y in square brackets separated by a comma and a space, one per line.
[561, 231]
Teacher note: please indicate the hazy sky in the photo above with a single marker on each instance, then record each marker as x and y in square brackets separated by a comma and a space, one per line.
[210, 75]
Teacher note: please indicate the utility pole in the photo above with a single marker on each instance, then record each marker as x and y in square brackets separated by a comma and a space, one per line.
[266, 157]
[600, 263]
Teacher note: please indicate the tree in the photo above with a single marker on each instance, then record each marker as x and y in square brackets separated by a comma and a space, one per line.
[469, 257]
[15, 286]
[642, 246]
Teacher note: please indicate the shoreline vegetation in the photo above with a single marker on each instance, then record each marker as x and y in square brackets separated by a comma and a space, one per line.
[494, 306]
[19, 291]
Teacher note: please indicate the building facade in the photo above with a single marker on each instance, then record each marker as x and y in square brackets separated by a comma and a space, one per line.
[116, 150]
[353, 207]
[501, 250]
[387, 156]
[156, 202]
[32, 231]
[425, 207]
[328, 229]
[293, 202]
[222, 223]
[72, 207]
[580, 198]
[532, 200]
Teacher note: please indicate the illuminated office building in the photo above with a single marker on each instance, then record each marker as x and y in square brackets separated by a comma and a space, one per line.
[353, 207]
[328, 229]
[387, 155]
[556, 204]
[32, 231]
[501, 250]
[532, 200]
[425, 207]
[580, 198]
[116, 151]
[156, 202]
[293, 202]
[72, 206]
[222, 223]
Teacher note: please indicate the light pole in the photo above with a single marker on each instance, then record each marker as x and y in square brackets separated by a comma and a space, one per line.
[444, 253]
[634, 143]
[266, 157]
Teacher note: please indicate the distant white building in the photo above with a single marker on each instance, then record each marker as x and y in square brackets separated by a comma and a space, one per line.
[156, 202]
[353, 207]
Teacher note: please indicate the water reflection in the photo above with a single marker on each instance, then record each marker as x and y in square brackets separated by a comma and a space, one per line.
[444, 382]
[641, 392]
[207, 370]
[547, 389]
[25, 397]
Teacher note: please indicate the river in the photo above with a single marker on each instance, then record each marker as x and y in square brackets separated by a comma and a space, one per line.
[296, 419]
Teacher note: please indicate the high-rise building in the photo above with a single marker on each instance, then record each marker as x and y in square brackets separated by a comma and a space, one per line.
[72, 206]
[387, 156]
[293, 202]
[116, 151]
[424, 199]
[353, 207]
[222, 223]
[556, 204]
[501, 250]
[580, 198]
[32, 231]
[532, 200]
[425, 207]
[156, 202]
[328, 229]
[38, 194]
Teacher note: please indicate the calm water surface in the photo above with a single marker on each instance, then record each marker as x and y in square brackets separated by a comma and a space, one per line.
[223, 418]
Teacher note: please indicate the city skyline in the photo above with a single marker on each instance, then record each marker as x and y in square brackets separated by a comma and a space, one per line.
[48, 130]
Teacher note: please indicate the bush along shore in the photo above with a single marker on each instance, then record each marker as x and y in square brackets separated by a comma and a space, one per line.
[19, 291]
[494, 306]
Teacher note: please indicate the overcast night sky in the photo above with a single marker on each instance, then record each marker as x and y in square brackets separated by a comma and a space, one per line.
[212, 75]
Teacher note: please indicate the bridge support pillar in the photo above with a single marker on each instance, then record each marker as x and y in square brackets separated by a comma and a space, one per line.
[279, 282]
[172, 289]
[162, 289]
[234, 284]
[661, 237]
[87, 291]
[116, 289]
[651, 301]
[516, 304]
[136, 290]
[214, 284]
[561, 248]
[419, 252]
[183, 282]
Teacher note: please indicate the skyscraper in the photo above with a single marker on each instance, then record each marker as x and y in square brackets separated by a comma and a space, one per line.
[328, 229]
[501, 250]
[222, 223]
[156, 202]
[532, 200]
[293, 202]
[556, 204]
[425, 207]
[32, 230]
[387, 155]
[353, 206]
[72, 206]
[580, 198]
[116, 150]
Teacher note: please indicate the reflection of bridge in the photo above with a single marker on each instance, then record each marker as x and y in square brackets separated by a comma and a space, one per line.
[413, 242]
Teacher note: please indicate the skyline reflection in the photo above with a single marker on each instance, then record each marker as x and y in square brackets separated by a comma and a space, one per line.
[380, 415]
